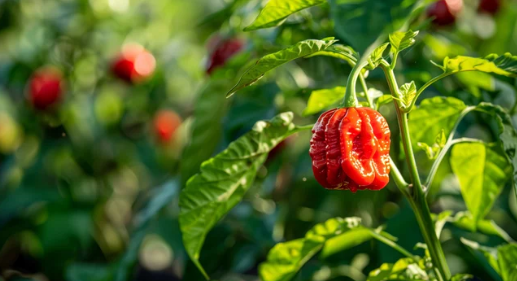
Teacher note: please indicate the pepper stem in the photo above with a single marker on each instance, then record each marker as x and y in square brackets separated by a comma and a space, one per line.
[350, 99]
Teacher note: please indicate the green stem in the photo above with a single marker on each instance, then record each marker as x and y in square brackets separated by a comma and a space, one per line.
[429, 83]
[400, 182]
[394, 245]
[448, 144]
[302, 128]
[365, 89]
[350, 99]
[417, 198]
[441, 155]
[394, 60]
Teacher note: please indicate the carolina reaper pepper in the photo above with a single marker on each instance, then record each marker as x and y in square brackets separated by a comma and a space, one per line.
[350, 149]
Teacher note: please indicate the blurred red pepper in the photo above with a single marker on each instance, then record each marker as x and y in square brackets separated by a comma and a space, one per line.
[222, 52]
[444, 12]
[350, 149]
[489, 6]
[45, 88]
[134, 64]
[166, 122]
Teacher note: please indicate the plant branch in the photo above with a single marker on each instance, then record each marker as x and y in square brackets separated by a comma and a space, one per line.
[442, 154]
[394, 60]
[394, 245]
[450, 142]
[429, 83]
[417, 197]
[400, 182]
[365, 89]
[302, 128]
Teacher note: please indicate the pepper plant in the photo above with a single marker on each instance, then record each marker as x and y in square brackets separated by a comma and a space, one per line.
[350, 151]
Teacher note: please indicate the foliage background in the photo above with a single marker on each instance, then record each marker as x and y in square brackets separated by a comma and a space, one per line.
[86, 192]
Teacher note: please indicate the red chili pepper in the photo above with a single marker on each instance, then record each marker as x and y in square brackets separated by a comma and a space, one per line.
[489, 6]
[444, 12]
[350, 149]
[224, 50]
[45, 88]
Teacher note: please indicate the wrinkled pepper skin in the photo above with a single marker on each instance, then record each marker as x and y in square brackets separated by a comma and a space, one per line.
[350, 149]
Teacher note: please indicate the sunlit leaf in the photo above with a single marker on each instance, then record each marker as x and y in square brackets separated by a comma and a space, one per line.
[383, 100]
[224, 179]
[461, 277]
[339, 51]
[400, 40]
[408, 92]
[346, 241]
[501, 259]
[403, 269]
[271, 61]
[276, 12]
[482, 173]
[490, 254]
[503, 65]
[286, 259]
[323, 99]
[432, 116]
[507, 134]
[441, 139]
[433, 150]
[507, 258]
[475, 80]
[440, 220]
[376, 56]
[465, 220]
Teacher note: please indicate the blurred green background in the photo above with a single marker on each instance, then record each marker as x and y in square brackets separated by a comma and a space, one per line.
[88, 192]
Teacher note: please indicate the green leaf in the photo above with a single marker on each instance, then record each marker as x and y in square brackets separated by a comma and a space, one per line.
[286, 259]
[403, 269]
[400, 40]
[440, 220]
[271, 61]
[217, 19]
[323, 99]
[466, 221]
[346, 241]
[210, 109]
[432, 116]
[501, 259]
[339, 51]
[361, 22]
[432, 151]
[276, 12]
[503, 65]
[475, 80]
[224, 179]
[507, 258]
[376, 56]
[507, 135]
[383, 100]
[441, 139]
[161, 196]
[462, 277]
[408, 92]
[482, 173]
[489, 253]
